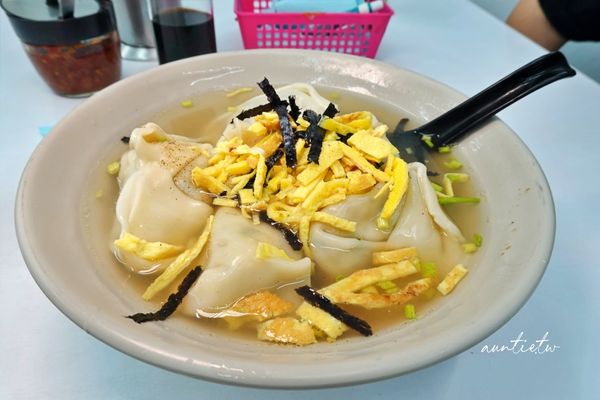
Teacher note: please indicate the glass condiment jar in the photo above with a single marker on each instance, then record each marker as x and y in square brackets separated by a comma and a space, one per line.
[76, 55]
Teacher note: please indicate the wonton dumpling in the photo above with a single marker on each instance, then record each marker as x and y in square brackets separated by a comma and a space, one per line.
[232, 270]
[172, 155]
[364, 210]
[433, 206]
[150, 206]
[337, 255]
[417, 225]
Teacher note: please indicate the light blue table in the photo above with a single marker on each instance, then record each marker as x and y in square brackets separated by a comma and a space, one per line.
[45, 356]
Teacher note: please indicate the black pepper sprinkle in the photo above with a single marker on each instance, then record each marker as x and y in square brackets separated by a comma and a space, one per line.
[172, 302]
[316, 299]
[125, 139]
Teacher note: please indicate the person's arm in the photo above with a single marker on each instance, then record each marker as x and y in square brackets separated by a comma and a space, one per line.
[529, 19]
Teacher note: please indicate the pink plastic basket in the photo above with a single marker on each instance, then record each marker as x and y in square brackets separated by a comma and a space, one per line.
[351, 33]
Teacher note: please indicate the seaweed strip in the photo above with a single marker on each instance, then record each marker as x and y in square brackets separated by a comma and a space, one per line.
[313, 118]
[125, 139]
[316, 299]
[172, 302]
[314, 135]
[302, 135]
[294, 109]
[270, 92]
[344, 138]
[289, 235]
[432, 173]
[253, 112]
[288, 135]
[330, 111]
[274, 158]
[250, 183]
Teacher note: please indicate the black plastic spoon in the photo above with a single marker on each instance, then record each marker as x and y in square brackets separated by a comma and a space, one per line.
[455, 123]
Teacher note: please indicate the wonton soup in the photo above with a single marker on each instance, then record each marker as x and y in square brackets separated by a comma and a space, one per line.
[305, 223]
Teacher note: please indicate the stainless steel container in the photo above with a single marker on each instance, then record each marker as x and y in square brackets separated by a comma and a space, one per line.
[135, 30]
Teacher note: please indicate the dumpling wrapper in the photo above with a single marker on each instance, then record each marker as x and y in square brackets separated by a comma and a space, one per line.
[150, 206]
[433, 206]
[418, 225]
[339, 253]
[436, 238]
[232, 270]
[364, 210]
[172, 155]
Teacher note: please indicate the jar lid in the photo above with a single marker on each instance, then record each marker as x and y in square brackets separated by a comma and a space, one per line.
[39, 22]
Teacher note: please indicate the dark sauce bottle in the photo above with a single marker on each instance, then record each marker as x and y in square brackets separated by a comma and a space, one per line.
[183, 32]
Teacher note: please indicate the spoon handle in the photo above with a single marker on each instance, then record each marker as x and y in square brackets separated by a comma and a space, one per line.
[540, 72]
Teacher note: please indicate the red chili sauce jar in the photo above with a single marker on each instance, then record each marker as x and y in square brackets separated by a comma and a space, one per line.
[76, 54]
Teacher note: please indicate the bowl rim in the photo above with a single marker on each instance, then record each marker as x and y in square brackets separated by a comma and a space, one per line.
[120, 342]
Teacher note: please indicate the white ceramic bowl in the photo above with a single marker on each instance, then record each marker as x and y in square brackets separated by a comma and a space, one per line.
[517, 209]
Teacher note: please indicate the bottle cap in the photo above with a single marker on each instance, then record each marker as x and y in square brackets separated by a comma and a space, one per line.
[38, 22]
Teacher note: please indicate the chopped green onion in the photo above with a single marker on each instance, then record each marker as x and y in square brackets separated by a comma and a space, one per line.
[416, 262]
[453, 164]
[436, 187]
[444, 149]
[409, 311]
[388, 286]
[451, 178]
[186, 103]
[477, 239]
[469, 248]
[113, 168]
[427, 140]
[457, 200]
[457, 177]
[428, 269]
